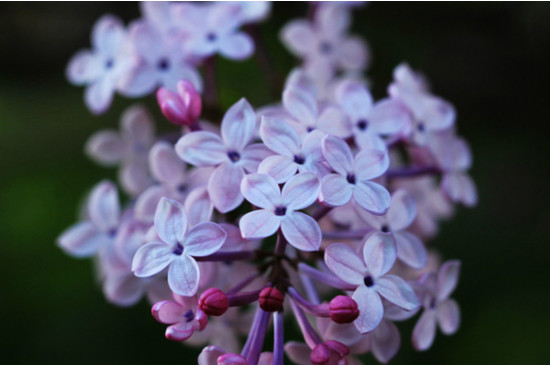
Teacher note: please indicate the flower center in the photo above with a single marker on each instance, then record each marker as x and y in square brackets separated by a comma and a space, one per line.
[299, 159]
[385, 228]
[309, 129]
[163, 64]
[432, 303]
[211, 37]
[325, 47]
[109, 64]
[421, 127]
[189, 315]
[280, 211]
[350, 178]
[234, 156]
[362, 124]
[182, 188]
[178, 250]
[369, 281]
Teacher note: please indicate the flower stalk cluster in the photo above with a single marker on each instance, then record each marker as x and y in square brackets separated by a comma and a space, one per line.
[316, 209]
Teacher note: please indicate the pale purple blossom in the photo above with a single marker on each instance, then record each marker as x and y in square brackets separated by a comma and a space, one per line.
[353, 175]
[182, 314]
[279, 209]
[177, 248]
[369, 275]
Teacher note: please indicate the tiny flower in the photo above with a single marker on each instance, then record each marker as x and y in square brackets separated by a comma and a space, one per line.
[352, 176]
[182, 314]
[177, 248]
[271, 299]
[183, 107]
[370, 276]
[280, 209]
[343, 309]
[328, 353]
[213, 302]
[232, 154]
[438, 307]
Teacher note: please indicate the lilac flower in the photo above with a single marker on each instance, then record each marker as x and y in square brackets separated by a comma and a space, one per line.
[324, 44]
[183, 316]
[293, 154]
[370, 276]
[177, 248]
[128, 148]
[213, 28]
[438, 307]
[88, 237]
[160, 62]
[232, 154]
[368, 122]
[399, 217]
[352, 176]
[101, 68]
[280, 209]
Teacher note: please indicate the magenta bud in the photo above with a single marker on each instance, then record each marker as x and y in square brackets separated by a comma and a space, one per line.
[213, 302]
[338, 347]
[271, 299]
[183, 107]
[343, 309]
[328, 353]
[232, 359]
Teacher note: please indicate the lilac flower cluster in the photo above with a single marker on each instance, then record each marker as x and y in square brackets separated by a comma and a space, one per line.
[319, 207]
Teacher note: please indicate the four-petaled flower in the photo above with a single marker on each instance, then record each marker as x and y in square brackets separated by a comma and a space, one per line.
[183, 314]
[177, 248]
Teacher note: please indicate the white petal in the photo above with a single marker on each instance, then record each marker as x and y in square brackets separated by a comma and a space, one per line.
[301, 231]
[238, 125]
[82, 240]
[261, 190]
[140, 80]
[279, 136]
[402, 210]
[280, 168]
[123, 290]
[204, 239]
[107, 34]
[397, 291]
[334, 121]
[253, 155]
[84, 68]
[411, 250]
[370, 307]
[369, 164]
[448, 316]
[183, 276]
[447, 278]
[298, 36]
[151, 259]
[379, 253]
[424, 331]
[352, 54]
[389, 116]
[147, 202]
[198, 206]
[237, 46]
[259, 224]
[354, 98]
[345, 263]
[137, 127]
[301, 191]
[103, 206]
[372, 197]
[201, 149]
[301, 105]
[165, 164]
[105, 147]
[170, 221]
[224, 187]
[99, 95]
[338, 154]
[385, 341]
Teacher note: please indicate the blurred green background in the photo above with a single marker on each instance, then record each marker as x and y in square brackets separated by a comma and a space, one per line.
[491, 60]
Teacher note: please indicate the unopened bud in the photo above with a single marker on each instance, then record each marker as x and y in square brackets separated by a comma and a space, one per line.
[213, 302]
[328, 353]
[271, 299]
[343, 309]
[183, 107]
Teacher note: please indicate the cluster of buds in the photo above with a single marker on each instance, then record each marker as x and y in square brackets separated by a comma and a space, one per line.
[317, 208]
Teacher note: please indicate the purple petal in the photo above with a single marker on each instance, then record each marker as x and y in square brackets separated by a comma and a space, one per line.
[180, 331]
[301, 105]
[298, 36]
[402, 210]
[301, 231]
[123, 290]
[224, 187]
[447, 278]
[370, 307]
[379, 253]
[237, 46]
[204, 239]
[298, 352]
[369, 164]
[201, 149]
[165, 164]
[238, 125]
[397, 291]
[137, 126]
[83, 68]
[424, 331]
[259, 224]
[372, 197]
[345, 263]
[460, 188]
[411, 250]
[301, 191]
[261, 190]
[209, 355]
[354, 98]
[140, 80]
[253, 155]
[147, 202]
[107, 34]
[105, 147]
[103, 206]
[151, 259]
[198, 206]
[385, 341]
[148, 42]
[335, 190]
[389, 116]
[168, 312]
[334, 121]
[352, 54]
[183, 275]
[338, 154]
[170, 221]
[448, 316]
[134, 177]
[279, 136]
[82, 240]
[280, 168]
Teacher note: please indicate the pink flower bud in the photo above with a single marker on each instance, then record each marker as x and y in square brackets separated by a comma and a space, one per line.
[232, 359]
[183, 107]
[213, 302]
[328, 353]
[343, 309]
[271, 299]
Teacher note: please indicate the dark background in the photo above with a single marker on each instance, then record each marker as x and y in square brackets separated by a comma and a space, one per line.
[490, 60]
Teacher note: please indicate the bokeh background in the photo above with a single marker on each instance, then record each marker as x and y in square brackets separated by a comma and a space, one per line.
[490, 59]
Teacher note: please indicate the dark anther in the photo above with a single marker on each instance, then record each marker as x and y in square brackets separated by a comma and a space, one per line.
[309, 129]
[178, 250]
[189, 315]
[421, 127]
[211, 37]
[163, 64]
[362, 124]
[109, 63]
[299, 160]
[350, 178]
[325, 47]
[432, 303]
[233, 156]
[112, 232]
[368, 281]
[280, 211]
[385, 228]
[182, 188]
